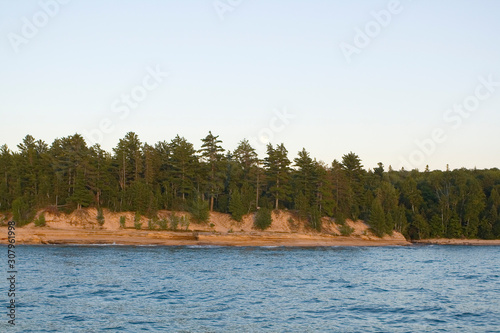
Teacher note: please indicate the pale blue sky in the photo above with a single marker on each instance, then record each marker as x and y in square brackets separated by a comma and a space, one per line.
[230, 76]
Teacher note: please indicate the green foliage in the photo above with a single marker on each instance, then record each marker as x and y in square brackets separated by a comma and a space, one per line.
[174, 221]
[163, 224]
[454, 229]
[151, 224]
[123, 220]
[436, 227]
[278, 170]
[236, 206]
[485, 229]
[22, 211]
[184, 222]
[400, 220]
[263, 219]
[40, 221]
[137, 221]
[139, 197]
[353, 174]
[421, 229]
[199, 210]
[315, 220]
[81, 196]
[100, 217]
[377, 218]
[211, 152]
[340, 219]
[137, 225]
[346, 230]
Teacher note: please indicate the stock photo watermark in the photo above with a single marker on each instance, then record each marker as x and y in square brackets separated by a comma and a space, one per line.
[11, 273]
[453, 117]
[30, 27]
[277, 124]
[223, 7]
[371, 30]
[127, 102]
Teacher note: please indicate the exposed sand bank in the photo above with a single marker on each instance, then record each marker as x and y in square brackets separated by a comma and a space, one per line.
[80, 227]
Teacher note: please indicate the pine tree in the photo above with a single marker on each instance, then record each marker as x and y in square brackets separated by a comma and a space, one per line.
[211, 153]
[263, 219]
[421, 226]
[100, 217]
[352, 167]
[305, 181]
[278, 172]
[436, 227]
[199, 210]
[236, 206]
[184, 162]
[128, 156]
[81, 197]
[247, 175]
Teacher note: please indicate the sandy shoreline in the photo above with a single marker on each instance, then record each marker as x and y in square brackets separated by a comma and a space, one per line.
[47, 235]
[457, 241]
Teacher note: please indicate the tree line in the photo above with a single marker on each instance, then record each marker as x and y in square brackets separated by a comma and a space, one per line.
[136, 176]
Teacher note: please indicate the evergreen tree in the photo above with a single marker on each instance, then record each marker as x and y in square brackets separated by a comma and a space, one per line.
[184, 162]
[211, 152]
[263, 219]
[247, 175]
[278, 172]
[199, 210]
[421, 226]
[81, 197]
[128, 156]
[436, 227]
[352, 167]
[236, 206]
[100, 217]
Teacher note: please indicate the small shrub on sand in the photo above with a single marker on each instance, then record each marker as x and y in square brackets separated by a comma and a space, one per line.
[40, 221]
[346, 230]
[123, 219]
[100, 217]
[263, 219]
[174, 222]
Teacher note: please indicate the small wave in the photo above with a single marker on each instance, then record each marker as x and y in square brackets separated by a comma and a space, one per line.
[203, 246]
[73, 318]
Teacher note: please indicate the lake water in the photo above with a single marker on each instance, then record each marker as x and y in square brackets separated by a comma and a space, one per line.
[228, 289]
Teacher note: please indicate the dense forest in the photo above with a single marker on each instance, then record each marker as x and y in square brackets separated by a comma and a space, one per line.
[136, 176]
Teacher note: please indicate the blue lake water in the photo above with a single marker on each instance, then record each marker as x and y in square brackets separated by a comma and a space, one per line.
[228, 289]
